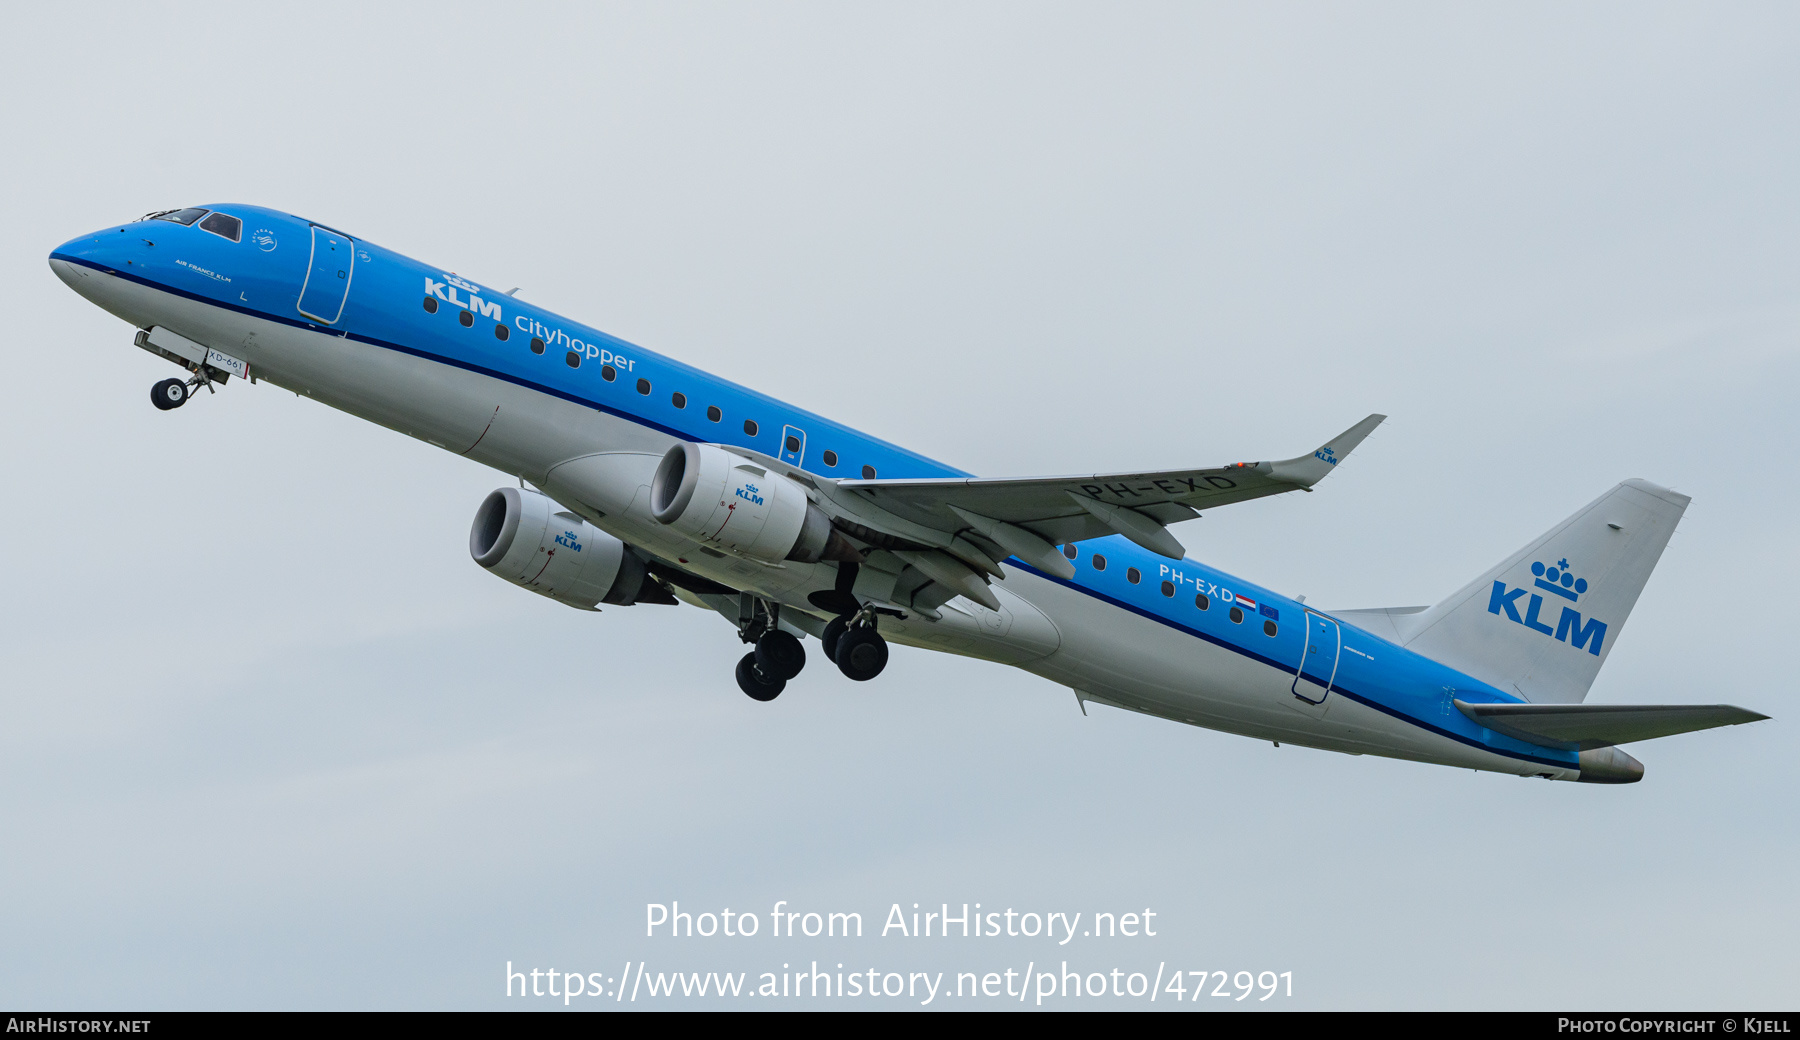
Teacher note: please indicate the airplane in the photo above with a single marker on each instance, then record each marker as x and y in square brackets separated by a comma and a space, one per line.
[642, 480]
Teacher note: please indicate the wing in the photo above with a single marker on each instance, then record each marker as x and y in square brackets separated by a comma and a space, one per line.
[1028, 517]
[940, 538]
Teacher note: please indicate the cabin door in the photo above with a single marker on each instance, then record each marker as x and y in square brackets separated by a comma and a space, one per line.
[328, 275]
[1318, 659]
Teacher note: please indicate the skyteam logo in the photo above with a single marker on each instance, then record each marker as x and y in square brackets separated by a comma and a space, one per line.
[1558, 580]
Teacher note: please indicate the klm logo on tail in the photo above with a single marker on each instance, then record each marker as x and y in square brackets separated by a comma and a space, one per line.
[1558, 581]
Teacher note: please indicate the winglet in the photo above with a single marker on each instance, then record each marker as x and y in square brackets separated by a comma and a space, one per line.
[1308, 470]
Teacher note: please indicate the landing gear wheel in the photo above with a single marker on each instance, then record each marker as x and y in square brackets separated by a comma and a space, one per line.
[861, 654]
[170, 393]
[778, 653]
[834, 631]
[752, 682]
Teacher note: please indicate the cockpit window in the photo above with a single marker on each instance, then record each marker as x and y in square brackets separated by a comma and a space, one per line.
[223, 225]
[179, 216]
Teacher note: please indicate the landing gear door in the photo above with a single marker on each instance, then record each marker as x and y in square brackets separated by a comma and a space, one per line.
[1318, 659]
[793, 445]
[328, 276]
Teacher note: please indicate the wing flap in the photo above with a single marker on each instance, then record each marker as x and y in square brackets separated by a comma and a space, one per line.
[1588, 726]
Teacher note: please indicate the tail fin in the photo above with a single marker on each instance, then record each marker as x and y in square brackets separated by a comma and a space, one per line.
[1542, 623]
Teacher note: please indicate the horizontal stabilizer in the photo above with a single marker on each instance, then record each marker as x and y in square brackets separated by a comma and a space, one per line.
[1589, 726]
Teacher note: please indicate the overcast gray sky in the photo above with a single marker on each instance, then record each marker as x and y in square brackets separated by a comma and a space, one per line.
[269, 739]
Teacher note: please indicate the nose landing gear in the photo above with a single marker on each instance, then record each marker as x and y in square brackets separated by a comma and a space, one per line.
[169, 393]
[173, 393]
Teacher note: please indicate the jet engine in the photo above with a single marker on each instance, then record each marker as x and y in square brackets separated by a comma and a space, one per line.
[726, 500]
[531, 541]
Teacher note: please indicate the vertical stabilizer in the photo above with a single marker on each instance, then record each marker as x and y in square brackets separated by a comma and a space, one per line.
[1541, 623]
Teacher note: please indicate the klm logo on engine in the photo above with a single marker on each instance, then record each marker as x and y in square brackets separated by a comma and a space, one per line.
[446, 291]
[568, 540]
[750, 493]
[1558, 581]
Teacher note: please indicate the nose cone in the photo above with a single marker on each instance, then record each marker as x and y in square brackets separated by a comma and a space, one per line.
[79, 261]
[72, 274]
[85, 248]
[105, 267]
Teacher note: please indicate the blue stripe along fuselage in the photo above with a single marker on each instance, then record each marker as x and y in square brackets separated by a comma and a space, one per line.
[385, 309]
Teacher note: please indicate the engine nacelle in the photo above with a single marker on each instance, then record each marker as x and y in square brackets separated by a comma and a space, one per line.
[726, 500]
[526, 538]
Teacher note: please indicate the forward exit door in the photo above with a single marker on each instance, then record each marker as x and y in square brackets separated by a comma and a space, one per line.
[1318, 659]
[328, 276]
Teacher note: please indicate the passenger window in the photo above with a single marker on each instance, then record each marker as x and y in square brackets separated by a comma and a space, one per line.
[868, 472]
[679, 399]
[1202, 602]
[467, 319]
[501, 333]
[1069, 551]
[830, 458]
[430, 305]
[1099, 562]
[223, 225]
[750, 427]
[537, 345]
[644, 387]
[713, 414]
[608, 373]
[1168, 588]
[1237, 616]
[1132, 575]
[574, 361]
[1268, 628]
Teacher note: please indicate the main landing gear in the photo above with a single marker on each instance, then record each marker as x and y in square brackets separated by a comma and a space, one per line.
[777, 657]
[851, 641]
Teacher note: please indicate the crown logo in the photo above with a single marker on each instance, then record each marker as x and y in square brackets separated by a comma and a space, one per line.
[1559, 580]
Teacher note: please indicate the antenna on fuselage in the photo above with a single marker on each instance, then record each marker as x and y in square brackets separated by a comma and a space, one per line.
[513, 290]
